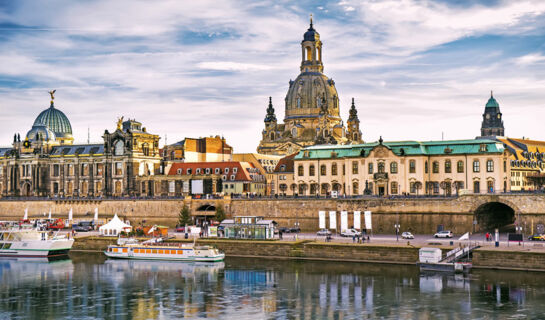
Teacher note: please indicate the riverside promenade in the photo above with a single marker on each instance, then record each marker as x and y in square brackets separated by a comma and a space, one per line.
[529, 256]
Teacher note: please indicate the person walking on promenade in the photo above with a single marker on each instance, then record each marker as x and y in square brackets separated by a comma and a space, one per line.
[280, 234]
[353, 238]
[487, 236]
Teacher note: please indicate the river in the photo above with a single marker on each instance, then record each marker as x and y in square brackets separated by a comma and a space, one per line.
[89, 286]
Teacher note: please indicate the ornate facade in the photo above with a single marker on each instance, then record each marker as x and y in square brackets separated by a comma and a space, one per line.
[47, 164]
[312, 110]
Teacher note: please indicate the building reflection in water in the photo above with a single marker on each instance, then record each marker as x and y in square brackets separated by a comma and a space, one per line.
[92, 287]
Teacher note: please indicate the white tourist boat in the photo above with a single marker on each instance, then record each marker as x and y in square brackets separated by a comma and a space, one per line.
[31, 243]
[153, 250]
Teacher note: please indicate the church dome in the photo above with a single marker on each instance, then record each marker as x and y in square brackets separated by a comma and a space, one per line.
[492, 103]
[311, 94]
[40, 132]
[311, 34]
[56, 121]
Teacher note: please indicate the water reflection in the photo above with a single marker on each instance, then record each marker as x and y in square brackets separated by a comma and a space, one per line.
[89, 286]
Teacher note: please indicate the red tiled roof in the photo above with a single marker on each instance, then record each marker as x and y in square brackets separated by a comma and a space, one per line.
[286, 161]
[240, 175]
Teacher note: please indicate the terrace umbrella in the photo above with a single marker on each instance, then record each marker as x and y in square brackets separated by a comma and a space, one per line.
[96, 215]
[70, 215]
[26, 214]
[49, 217]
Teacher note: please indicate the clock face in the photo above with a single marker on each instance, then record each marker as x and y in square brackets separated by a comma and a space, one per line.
[488, 116]
[354, 126]
[499, 116]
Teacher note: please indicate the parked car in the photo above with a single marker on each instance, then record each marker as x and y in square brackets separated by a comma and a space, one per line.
[537, 237]
[83, 226]
[407, 235]
[284, 230]
[350, 233]
[323, 232]
[443, 234]
[179, 229]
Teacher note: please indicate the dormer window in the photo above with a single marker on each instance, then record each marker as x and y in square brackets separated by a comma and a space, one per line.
[198, 171]
[233, 177]
[217, 171]
[207, 170]
[179, 171]
[188, 170]
[226, 170]
[234, 170]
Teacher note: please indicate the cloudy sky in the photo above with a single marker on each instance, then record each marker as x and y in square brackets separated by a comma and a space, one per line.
[417, 69]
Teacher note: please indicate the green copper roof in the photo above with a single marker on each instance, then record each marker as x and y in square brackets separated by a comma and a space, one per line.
[55, 120]
[407, 148]
[492, 103]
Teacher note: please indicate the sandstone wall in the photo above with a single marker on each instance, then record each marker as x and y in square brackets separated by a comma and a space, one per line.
[416, 215]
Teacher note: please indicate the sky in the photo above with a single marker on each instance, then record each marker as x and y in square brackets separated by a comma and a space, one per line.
[418, 70]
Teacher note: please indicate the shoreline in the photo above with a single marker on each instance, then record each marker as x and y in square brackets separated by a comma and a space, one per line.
[307, 250]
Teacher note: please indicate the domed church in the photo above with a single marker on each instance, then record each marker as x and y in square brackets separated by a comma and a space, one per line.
[312, 111]
[51, 127]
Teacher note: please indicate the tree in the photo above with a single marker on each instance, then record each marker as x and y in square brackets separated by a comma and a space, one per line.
[184, 218]
[220, 214]
[417, 186]
[537, 179]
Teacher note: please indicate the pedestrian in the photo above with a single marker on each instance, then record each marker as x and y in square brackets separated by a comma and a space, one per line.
[487, 236]
[368, 239]
[353, 238]
[280, 234]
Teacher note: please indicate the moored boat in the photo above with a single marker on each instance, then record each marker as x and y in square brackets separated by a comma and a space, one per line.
[160, 251]
[32, 243]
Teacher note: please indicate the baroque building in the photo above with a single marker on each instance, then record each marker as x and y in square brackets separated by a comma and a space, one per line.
[312, 110]
[47, 163]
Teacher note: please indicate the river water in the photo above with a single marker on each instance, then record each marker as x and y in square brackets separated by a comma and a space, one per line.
[89, 286]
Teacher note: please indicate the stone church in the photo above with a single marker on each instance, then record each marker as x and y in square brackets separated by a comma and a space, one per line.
[312, 111]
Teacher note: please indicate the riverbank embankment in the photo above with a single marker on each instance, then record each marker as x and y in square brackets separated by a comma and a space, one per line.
[512, 258]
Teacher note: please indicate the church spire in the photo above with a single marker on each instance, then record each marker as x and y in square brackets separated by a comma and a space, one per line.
[270, 112]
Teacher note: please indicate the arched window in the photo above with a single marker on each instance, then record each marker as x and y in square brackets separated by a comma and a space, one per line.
[298, 102]
[355, 188]
[435, 167]
[272, 135]
[334, 169]
[300, 171]
[380, 167]
[309, 53]
[145, 149]
[294, 132]
[323, 170]
[311, 170]
[393, 167]
[412, 166]
[476, 187]
[370, 168]
[426, 167]
[448, 166]
[119, 145]
[460, 167]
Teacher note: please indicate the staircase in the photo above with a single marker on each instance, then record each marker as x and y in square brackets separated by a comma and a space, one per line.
[459, 253]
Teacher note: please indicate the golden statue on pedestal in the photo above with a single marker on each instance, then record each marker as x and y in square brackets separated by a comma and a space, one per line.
[119, 123]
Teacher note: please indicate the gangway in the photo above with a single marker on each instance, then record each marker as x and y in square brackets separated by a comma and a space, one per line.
[459, 253]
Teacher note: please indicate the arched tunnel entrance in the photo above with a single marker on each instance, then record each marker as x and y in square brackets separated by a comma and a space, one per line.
[492, 215]
[204, 214]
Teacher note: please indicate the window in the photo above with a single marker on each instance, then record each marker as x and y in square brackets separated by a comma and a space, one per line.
[460, 167]
[145, 149]
[436, 187]
[490, 186]
[344, 169]
[426, 167]
[380, 167]
[476, 187]
[56, 171]
[311, 170]
[476, 166]
[118, 147]
[448, 166]
[413, 187]
[435, 167]
[354, 167]
[85, 169]
[233, 177]
[504, 166]
[217, 171]
[207, 170]
[70, 169]
[300, 171]
[100, 166]
[179, 171]
[355, 188]
[118, 168]
[393, 188]
[412, 166]
[490, 166]
[226, 170]
[393, 167]
[323, 170]
[198, 171]
[334, 169]
[235, 170]
[188, 171]
[370, 168]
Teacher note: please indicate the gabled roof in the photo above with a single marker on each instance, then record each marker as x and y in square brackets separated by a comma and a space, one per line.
[287, 162]
[245, 170]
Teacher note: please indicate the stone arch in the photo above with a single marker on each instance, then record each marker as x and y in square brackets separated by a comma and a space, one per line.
[207, 207]
[494, 214]
[26, 189]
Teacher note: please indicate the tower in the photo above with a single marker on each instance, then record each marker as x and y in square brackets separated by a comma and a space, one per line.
[492, 124]
[311, 51]
[270, 123]
[353, 123]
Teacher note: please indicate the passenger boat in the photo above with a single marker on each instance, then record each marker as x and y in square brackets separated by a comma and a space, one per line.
[31, 243]
[154, 250]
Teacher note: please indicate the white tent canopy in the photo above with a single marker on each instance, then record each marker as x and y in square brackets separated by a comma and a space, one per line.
[114, 227]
